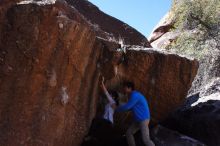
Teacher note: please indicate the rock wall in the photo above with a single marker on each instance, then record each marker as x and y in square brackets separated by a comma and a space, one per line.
[50, 61]
[46, 91]
[159, 76]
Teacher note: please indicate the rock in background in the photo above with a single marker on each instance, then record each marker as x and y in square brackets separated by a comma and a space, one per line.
[108, 27]
[192, 28]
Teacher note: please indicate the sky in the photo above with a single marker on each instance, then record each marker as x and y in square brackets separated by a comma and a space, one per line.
[143, 15]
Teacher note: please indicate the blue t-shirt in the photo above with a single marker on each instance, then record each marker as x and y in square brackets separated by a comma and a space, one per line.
[138, 105]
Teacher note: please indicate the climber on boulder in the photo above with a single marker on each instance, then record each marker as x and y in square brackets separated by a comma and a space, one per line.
[104, 123]
[113, 102]
[137, 103]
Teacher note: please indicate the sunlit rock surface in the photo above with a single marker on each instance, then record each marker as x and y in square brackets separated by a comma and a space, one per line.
[107, 26]
[46, 95]
[192, 28]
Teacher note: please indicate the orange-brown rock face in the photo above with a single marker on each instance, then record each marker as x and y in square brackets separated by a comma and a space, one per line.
[163, 78]
[50, 62]
[47, 76]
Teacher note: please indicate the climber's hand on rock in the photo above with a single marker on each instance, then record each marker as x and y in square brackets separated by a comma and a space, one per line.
[103, 84]
[103, 79]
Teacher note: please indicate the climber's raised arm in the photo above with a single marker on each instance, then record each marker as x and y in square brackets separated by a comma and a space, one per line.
[109, 97]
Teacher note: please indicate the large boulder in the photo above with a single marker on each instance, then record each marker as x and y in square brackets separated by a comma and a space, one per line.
[47, 98]
[50, 61]
[160, 76]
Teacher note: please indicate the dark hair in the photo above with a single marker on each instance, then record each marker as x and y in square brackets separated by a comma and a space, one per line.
[114, 94]
[129, 84]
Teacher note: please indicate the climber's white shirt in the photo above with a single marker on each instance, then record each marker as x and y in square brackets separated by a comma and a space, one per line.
[109, 111]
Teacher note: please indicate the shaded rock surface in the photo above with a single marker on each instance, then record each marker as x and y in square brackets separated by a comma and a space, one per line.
[193, 30]
[159, 76]
[50, 61]
[166, 137]
[199, 117]
[106, 135]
